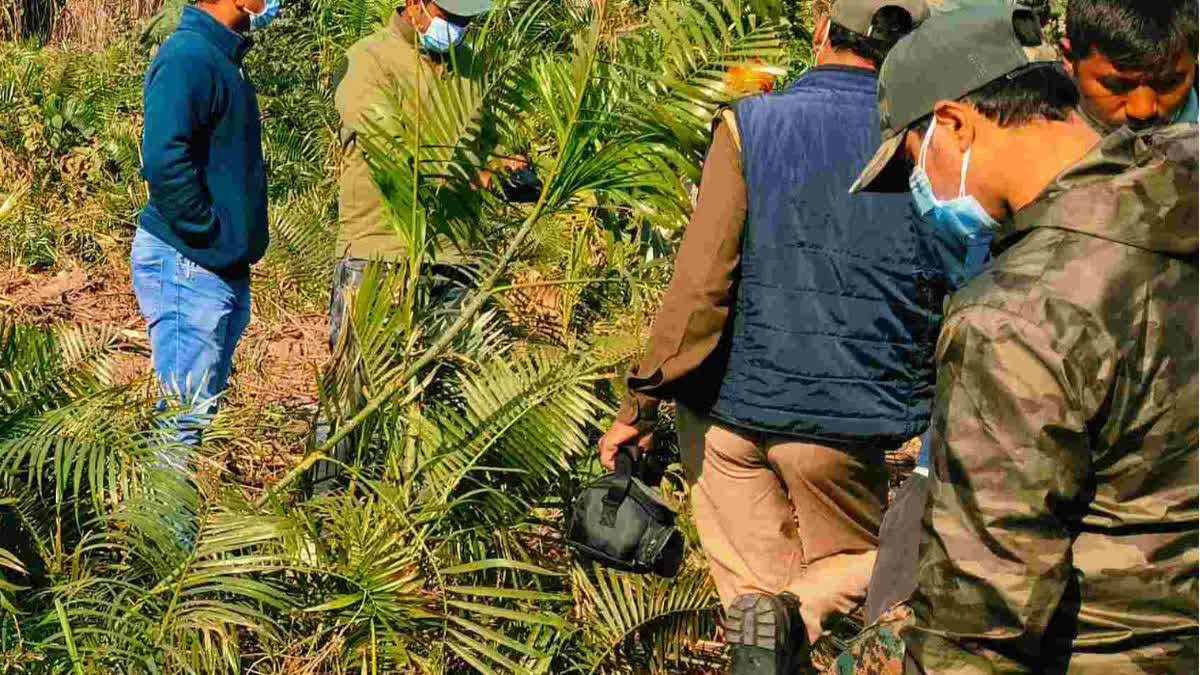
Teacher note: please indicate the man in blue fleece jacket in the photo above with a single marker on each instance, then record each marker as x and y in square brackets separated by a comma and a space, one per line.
[206, 222]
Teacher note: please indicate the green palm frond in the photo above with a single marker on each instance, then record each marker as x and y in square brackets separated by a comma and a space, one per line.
[695, 44]
[91, 447]
[39, 368]
[352, 19]
[61, 426]
[11, 563]
[387, 599]
[302, 237]
[627, 617]
[522, 422]
[189, 607]
[426, 153]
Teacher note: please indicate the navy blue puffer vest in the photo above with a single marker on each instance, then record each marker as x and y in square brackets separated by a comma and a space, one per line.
[839, 302]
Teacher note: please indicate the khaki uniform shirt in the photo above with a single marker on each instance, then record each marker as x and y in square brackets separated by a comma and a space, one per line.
[375, 67]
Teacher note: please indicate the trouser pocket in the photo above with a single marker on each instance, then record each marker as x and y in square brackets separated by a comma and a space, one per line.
[148, 264]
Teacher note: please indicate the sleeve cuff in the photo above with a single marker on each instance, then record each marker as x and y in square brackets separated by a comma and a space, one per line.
[638, 410]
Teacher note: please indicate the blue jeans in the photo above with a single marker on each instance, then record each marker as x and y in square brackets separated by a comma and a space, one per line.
[195, 319]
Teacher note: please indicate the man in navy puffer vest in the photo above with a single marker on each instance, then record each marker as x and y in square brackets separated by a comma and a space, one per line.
[797, 339]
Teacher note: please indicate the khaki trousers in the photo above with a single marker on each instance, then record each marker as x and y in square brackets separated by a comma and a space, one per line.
[777, 514]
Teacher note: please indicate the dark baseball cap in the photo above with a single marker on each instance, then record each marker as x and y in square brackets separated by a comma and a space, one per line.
[947, 57]
[856, 15]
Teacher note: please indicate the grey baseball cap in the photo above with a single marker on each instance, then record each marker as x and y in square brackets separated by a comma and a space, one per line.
[464, 7]
[856, 15]
[944, 59]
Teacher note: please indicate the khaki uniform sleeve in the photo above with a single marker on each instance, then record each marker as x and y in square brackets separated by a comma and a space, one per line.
[348, 97]
[700, 297]
[1013, 461]
[370, 77]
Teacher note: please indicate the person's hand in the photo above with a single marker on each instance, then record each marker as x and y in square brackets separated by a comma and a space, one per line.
[622, 434]
[483, 180]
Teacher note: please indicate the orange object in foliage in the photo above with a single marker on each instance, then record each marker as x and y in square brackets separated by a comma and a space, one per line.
[752, 78]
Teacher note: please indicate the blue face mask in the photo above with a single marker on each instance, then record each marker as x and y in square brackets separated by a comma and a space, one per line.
[442, 35]
[961, 228]
[269, 13]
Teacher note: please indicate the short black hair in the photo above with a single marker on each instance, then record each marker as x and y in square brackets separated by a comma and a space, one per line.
[1133, 34]
[1040, 92]
[888, 25]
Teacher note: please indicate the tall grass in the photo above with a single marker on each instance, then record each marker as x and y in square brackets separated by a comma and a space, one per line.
[88, 24]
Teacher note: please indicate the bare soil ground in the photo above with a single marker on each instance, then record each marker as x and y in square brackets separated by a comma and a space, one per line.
[273, 390]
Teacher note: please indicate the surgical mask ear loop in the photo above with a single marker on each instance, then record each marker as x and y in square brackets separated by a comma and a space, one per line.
[925, 144]
[962, 177]
[432, 18]
[962, 181]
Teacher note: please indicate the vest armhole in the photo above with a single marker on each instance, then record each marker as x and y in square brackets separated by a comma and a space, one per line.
[726, 115]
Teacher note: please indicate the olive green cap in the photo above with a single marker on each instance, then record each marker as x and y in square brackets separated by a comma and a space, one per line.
[856, 15]
[464, 7]
[949, 56]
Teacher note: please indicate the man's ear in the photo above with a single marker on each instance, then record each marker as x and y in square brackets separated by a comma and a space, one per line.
[1064, 46]
[958, 120]
[821, 34]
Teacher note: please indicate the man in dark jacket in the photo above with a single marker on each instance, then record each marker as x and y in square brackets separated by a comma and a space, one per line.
[206, 222]
[797, 339]
[1061, 535]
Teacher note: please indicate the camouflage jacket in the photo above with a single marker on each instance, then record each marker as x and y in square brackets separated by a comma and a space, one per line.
[1062, 536]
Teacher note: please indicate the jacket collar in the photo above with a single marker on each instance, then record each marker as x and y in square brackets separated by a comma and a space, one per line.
[231, 44]
[835, 68]
[1134, 189]
[838, 77]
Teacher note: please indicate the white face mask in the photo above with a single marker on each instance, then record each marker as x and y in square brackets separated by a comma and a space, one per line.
[442, 36]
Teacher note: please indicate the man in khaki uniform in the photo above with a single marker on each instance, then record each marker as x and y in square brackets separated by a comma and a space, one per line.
[420, 44]
[1061, 536]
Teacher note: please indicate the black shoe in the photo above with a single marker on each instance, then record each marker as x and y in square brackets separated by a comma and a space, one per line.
[765, 635]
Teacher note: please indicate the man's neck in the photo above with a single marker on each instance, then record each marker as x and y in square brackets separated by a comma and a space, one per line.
[226, 15]
[1045, 149]
[844, 58]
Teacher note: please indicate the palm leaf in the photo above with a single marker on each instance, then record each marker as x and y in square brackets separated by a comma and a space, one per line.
[662, 616]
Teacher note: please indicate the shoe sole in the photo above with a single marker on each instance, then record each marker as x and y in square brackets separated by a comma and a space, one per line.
[751, 621]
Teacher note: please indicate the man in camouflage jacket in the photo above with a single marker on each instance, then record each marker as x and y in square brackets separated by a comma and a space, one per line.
[1062, 532]
[1066, 523]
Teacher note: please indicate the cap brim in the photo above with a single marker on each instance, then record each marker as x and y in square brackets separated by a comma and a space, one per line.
[465, 7]
[885, 172]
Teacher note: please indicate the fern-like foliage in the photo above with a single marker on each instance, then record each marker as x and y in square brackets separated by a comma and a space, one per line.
[636, 620]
